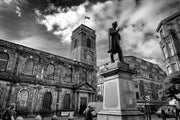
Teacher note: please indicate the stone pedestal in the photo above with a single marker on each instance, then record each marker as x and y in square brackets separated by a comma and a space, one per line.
[119, 102]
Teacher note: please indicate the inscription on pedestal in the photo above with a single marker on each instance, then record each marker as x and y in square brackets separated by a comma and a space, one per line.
[127, 93]
[111, 98]
[119, 96]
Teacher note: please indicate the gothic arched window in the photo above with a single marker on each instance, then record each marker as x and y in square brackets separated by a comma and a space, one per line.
[4, 57]
[88, 43]
[29, 65]
[23, 98]
[50, 71]
[68, 75]
[66, 101]
[47, 101]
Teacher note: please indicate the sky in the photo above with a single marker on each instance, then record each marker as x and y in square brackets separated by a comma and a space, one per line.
[47, 24]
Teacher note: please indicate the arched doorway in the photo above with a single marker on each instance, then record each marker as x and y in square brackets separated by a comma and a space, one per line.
[83, 104]
[47, 101]
[66, 101]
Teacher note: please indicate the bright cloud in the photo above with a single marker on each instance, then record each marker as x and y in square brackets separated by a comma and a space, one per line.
[138, 24]
[63, 23]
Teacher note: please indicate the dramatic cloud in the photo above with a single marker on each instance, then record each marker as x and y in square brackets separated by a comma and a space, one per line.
[137, 18]
[62, 23]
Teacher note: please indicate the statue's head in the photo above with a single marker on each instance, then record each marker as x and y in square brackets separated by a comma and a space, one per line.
[114, 24]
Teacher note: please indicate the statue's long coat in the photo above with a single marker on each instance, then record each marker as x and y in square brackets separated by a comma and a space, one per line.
[114, 38]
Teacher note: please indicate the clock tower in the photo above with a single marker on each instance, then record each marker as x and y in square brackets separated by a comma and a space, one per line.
[83, 45]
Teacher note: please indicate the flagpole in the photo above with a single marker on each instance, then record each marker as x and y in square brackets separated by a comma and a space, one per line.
[86, 17]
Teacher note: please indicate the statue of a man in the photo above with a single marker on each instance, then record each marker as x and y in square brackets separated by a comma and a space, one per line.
[114, 46]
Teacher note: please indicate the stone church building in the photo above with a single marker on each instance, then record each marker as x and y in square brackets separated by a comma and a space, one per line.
[40, 82]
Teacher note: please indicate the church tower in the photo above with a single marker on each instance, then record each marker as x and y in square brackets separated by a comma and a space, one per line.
[83, 45]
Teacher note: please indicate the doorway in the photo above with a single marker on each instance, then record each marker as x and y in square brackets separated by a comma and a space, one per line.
[47, 101]
[83, 105]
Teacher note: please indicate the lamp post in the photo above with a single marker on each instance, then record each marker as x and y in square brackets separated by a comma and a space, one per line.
[146, 109]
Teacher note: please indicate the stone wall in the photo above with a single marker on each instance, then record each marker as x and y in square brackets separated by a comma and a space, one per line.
[27, 90]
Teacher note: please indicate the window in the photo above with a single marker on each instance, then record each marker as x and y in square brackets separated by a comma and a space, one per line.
[23, 98]
[174, 67]
[68, 74]
[161, 33]
[89, 58]
[88, 43]
[4, 57]
[84, 76]
[47, 101]
[75, 43]
[137, 95]
[66, 101]
[29, 65]
[150, 76]
[170, 49]
[50, 71]
[169, 69]
[141, 87]
[165, 52]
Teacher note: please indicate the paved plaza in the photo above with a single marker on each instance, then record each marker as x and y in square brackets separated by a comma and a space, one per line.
[153, 117]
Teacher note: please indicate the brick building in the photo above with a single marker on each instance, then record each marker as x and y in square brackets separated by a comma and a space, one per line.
[38, 81]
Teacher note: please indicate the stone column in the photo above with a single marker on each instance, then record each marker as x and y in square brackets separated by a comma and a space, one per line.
[119, 102]
[76, 102]
[33, 100]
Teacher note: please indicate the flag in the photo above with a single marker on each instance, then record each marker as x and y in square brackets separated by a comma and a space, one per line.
[86, 17]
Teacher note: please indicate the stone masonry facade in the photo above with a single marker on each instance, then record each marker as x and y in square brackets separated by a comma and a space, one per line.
[38, 81]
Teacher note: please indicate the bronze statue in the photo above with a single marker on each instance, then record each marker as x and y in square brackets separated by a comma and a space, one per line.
[114, 46]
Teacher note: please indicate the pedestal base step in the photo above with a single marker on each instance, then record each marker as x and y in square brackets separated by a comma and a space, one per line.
[118, 115]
